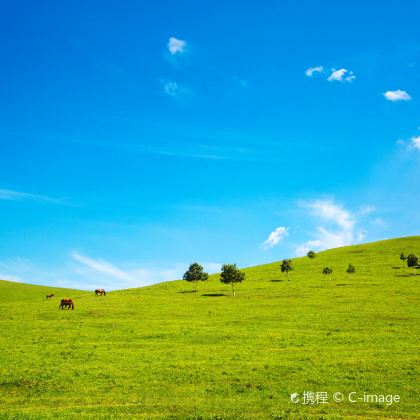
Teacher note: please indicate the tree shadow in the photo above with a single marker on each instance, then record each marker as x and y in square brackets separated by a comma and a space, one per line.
[214, 294]
[342, 284]
[277, 281]
[188, 291]
[406, 275]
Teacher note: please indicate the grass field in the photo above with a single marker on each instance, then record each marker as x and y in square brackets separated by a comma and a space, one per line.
[165, 352]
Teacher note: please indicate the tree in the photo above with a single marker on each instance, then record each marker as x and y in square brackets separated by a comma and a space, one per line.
[327, 271]
[231, 275]
[195, 274]
[351, 269]
[311, 254]
[413, 261]
[286, 267]
[403, 257]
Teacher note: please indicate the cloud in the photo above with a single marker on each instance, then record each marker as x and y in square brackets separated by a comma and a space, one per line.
[329, 211]
[175, 90]
[341, 75]
[412, 144]
[15, 269]
[275, 237]
[361, 235]
[135, 276]
[10, 277]
[212, 267]
[17, 195]
[104, 267]
[83, 272]
[311, 70]
[171, 88]
[338, 226]
[366, 210]
[176, 46]
[397, 95]
[100, 272]
[415, 143]
[304, 248]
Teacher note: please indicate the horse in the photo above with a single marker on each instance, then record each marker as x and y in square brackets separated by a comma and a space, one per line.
[100, 292]
[50, 296]
[66, 302]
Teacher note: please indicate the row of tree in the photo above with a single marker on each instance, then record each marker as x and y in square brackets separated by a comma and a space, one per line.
[287, 266]
[230, 274]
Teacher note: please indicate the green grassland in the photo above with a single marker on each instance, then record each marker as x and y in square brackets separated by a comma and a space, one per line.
[165, 352]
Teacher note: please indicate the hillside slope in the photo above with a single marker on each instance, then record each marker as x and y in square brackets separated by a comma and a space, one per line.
[163, 351]
[14, 291]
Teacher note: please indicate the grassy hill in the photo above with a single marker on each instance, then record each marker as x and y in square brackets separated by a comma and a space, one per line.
[164, 352]
[11, 292]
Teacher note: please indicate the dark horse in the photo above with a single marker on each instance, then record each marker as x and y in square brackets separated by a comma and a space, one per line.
[66, 302]
[100, 292]
[50, 296]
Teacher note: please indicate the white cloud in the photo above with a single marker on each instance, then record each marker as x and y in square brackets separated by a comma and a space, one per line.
[351, 76]
[131, 276]
[87, 273]
[361, 235]
[10, 277]
[171, 88]
[212, 267]
[337, 225]
[378, 221]
[366, 210]
[176, 46]
[275, 237]
[415, 143]
[105, 267]
[17, 195]
[16, 269]
[335, 239]
[304, 248]
[329, 211]
[100, 272]
[412, 144]
[397, 95]
[341, 75]
[311, 70]
[175, 90]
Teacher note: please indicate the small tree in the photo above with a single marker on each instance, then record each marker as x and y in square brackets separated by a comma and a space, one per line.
[351, 270]
[286, 267]
[231, 275]
[195, 274]
[413, 261]
[311, 254]
[327, 271]
[403, 257]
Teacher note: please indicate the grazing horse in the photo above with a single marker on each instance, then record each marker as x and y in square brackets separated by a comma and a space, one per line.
[66, 302]
[100, 292]
[50, 296]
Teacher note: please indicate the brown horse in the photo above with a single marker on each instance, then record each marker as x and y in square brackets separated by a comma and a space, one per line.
[66, 303]
[100, 292]
[50, 296]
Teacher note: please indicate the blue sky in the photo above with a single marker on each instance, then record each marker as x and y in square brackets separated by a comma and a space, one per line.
[137, 138]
